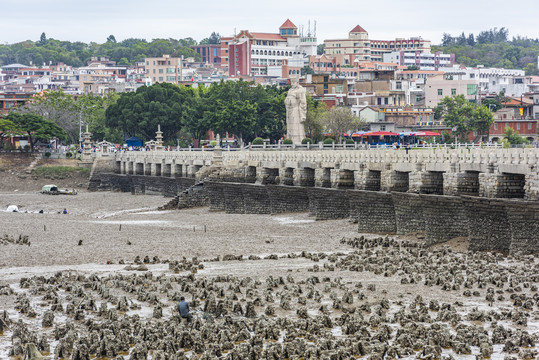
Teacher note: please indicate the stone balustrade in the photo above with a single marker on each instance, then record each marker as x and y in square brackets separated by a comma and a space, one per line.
[492, 173]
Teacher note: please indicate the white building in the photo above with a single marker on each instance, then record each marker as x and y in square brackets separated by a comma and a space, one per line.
[512, 82]
[423, 60]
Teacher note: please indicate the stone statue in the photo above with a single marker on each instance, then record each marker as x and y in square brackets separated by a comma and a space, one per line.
[296, 111]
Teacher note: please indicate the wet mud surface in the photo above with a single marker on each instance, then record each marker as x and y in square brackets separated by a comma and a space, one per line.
[103, 280]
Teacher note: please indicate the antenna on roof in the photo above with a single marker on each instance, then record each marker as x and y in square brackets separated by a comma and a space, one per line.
[308, 28]
[314, 31]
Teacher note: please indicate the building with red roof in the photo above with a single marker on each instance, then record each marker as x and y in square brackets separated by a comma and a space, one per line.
[279, 54]
[358, 46]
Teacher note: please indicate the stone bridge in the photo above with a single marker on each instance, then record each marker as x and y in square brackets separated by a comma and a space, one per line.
[491, 173]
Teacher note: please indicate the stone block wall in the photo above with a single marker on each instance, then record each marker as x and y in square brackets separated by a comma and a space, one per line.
[408, 213]
[488, 225]
[285, 199]
[375, 211]
[216, 197]
[233, 193]
[100, 168]
[256, 199]
[327, 204]
[445, 218]
[523, 217]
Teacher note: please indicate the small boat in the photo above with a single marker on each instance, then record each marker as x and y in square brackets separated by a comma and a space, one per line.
[54, 190]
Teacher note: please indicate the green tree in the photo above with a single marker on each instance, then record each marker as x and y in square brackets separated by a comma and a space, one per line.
[314, 124]
[341, 120]
[43, 39]
[492, 104]
[37, 128]
[514, 137]
[111, 39]
[463, 116]
[141, 112]
[7, 128]
[307, 70]
[214, 38]
[58, 107]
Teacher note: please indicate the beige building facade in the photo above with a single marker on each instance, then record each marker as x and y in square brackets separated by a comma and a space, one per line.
[359, 48]
[163, 69]
[439, 86]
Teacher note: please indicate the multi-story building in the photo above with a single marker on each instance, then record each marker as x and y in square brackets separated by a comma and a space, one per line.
[422, 60]
[512, 82]
[440, 86]
[163, 69]
[359, 47]
[275, 54]
[10, 100]
[209, 54]
[92, 77]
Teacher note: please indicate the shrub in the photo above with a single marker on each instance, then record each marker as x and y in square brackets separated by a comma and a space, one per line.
[48, 154]
[307, 140]
[69, 155]
[329, 141]
[26, 148]
[288, 141]
[349, 141]
[258, 141]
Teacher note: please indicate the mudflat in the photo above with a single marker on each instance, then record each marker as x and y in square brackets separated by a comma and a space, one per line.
[103, 281]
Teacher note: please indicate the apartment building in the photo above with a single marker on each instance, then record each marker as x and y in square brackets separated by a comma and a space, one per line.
[439, 86]
[209, 54]
[163, 69]
[274, 54]
[423, 60]
[359, 47]
[512, 82]
[93, 76]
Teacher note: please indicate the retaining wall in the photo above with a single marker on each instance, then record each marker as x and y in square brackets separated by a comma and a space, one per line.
[375, 211]
[505, 225]
[327, 204]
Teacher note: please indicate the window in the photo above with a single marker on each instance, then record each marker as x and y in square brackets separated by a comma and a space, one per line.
[382, 128]
[495, 126]
[440, 92]
[418, 98]
[339, 89]
[518, 126]
[471, 89]
[386, 101]
[453, 91]
[160, 71]
[160, 78]
[529, 126]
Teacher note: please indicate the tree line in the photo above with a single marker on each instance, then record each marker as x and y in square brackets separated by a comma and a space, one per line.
[185, 114]
[493, 48]
[126, 52]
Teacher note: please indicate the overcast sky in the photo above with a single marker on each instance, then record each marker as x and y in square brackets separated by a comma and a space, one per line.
[87, 21]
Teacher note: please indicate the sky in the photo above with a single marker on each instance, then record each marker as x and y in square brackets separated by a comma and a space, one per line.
[94, 21]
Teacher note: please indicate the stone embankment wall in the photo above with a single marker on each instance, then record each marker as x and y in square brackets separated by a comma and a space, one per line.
[139, 184]
[505, 225]
[490, 225]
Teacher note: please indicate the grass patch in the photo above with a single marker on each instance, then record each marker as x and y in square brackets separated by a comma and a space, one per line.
[60, 172]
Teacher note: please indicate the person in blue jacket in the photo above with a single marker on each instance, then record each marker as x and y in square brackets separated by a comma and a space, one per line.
[183, 308]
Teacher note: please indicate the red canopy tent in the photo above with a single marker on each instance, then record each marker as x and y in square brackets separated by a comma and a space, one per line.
[426, 133]
[381, 133]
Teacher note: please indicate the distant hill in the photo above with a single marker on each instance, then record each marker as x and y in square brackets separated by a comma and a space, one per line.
[492, 48]
[126, 52]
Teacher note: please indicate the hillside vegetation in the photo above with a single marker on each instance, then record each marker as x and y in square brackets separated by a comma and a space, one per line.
[493, 48]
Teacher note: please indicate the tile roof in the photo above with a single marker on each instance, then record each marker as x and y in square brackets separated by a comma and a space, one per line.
[267, 36]
[358, 29]
[288, 24]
